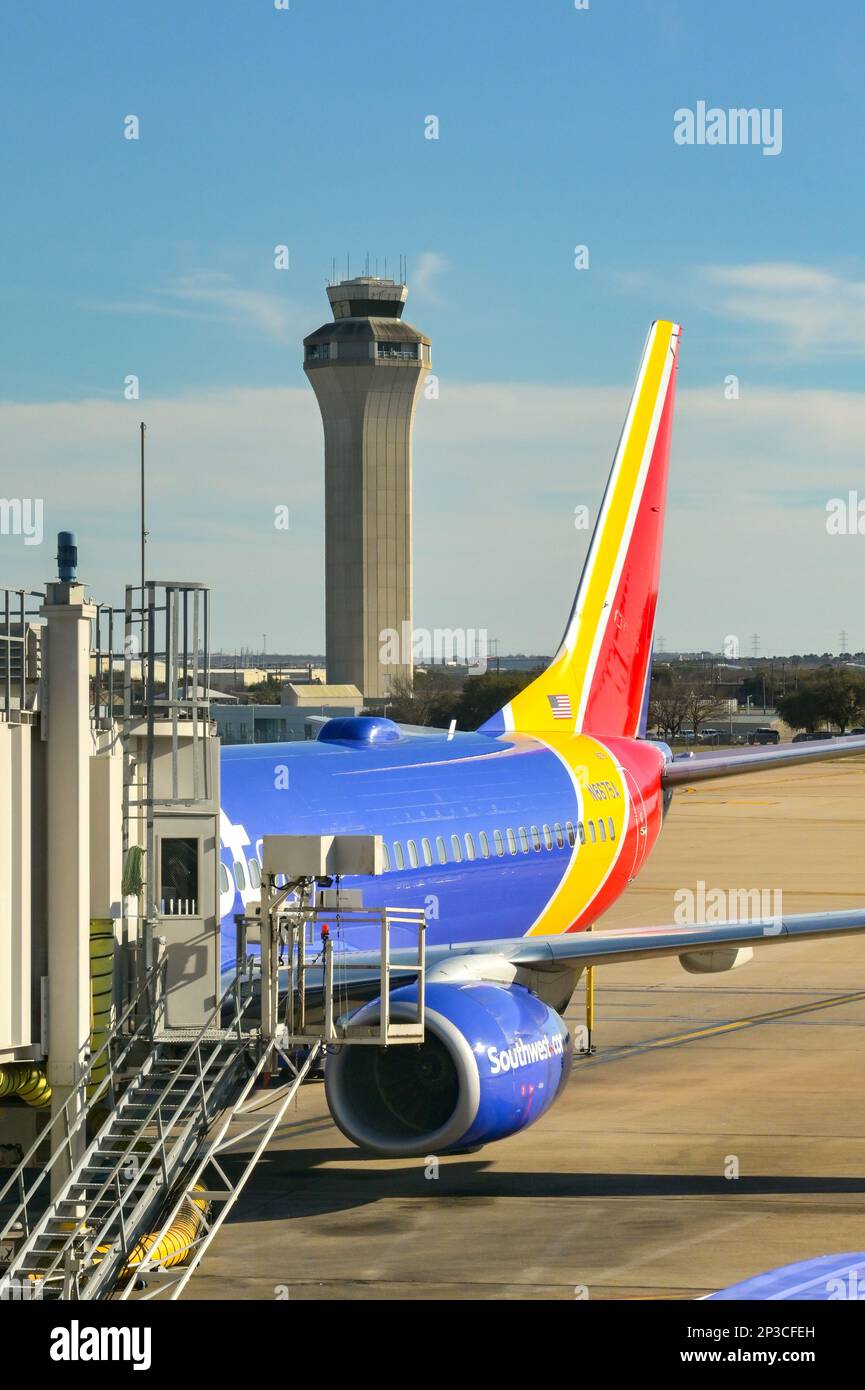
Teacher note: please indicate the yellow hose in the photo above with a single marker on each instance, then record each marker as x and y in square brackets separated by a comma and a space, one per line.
[30, 1083]
[27, 1082]
[101, 991]
[175, 1245]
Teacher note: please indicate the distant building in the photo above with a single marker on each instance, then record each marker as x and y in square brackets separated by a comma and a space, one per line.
[366, 369]
[299, 716]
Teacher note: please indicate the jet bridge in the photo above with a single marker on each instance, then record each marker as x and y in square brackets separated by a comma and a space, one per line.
[139, 1067]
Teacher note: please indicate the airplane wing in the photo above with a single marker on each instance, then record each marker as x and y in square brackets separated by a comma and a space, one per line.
[641, 943]
[578, 949]
[684, 771]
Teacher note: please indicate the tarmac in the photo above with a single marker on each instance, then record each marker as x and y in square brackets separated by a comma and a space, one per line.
[717, 1132]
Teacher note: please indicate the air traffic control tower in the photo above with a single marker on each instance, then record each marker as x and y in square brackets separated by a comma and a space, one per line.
[366, 369]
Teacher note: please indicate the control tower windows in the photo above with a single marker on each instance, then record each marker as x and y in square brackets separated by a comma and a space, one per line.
[403, 352]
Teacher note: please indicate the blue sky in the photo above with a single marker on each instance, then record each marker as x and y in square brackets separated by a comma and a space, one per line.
[306, 127]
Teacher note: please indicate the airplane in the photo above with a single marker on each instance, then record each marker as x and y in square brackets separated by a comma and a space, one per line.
[516, 837]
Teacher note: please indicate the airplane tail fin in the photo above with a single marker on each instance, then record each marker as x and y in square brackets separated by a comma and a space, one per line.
[598, 681]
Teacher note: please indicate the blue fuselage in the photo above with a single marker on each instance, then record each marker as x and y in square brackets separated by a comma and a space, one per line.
[467, 800]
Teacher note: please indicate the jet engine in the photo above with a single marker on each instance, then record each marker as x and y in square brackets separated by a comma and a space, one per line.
[493, 1061]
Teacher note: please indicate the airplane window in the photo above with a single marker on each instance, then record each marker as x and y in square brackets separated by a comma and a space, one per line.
[524, 840]
[427, 851]
[572, 839]
[548, 838]
[442, 852]
[602, 831]
[412, 854]
[560, 839]
[592, 836]
[612, 827]
[536, 837]
[512, 841]
[485, 844]
[254, 873]
[385, 858]
[498, 842]
[470, 846]
[582, 829]
[457, 848]
[224, 881]
[398, 854]
[239, 875]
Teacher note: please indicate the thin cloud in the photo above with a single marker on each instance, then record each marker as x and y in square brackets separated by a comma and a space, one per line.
[213, 297]
[430, 266]
[499, 469]
[813, 312]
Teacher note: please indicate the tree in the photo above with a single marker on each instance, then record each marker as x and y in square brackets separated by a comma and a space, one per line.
[268, 691]
[682, 695]
[667, 703]
[483, 695]
[426, 700]
[829, 696]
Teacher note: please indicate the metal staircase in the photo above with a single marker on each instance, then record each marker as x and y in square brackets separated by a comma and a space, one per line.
[96, 1228]
[156, 1275]
[136, 1188]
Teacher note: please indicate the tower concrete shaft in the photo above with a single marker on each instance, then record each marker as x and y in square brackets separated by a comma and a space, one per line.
[367, 368]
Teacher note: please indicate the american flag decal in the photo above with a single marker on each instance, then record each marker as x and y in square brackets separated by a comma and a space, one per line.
[560, 706]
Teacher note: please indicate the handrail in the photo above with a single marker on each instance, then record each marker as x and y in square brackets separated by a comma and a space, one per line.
[124, 1156]
[156, 1110]
[107, 1082]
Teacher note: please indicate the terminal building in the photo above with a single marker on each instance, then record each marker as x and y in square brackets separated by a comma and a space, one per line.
[367, 368]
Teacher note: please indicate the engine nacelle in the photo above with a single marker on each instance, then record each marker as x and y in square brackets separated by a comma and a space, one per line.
[493, 1061]
[716, 960]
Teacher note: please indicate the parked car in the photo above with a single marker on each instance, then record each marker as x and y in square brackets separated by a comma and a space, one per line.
[805, 737]
[764, 736]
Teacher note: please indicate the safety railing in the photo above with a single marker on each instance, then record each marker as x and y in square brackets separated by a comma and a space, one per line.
[310, 938]
[71, 1120]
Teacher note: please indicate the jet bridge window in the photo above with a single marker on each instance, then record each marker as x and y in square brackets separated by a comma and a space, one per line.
[178, 878]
